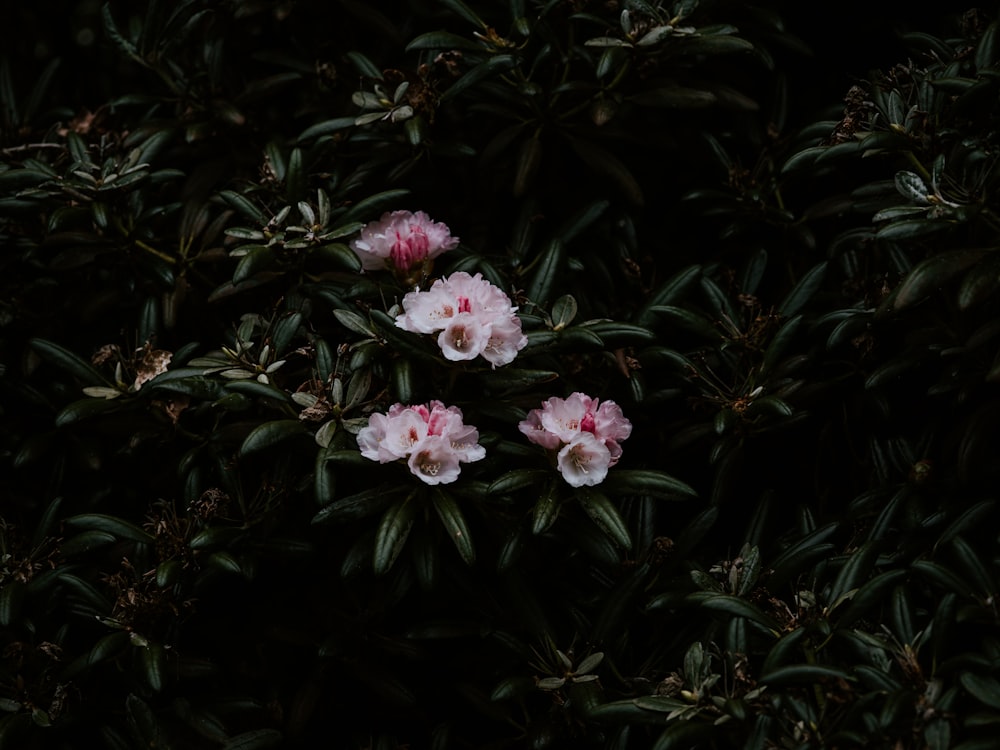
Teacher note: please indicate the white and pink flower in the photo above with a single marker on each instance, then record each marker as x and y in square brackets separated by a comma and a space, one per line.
[584, 434]
[431, 438]
[401, 241]
[471, 317]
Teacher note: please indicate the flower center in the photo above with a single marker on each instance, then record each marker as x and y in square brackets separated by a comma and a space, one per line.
[428, 467]
[464, 305]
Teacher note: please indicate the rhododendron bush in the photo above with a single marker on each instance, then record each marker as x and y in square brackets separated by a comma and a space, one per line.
[512, 374]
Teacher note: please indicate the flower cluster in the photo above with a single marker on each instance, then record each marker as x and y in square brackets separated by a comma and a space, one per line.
[401, 241]
[431, 438]
[471, 317]
[583, 433]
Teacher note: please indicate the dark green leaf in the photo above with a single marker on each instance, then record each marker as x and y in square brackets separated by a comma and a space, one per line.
[117, 527]
[493, 66]
[605, 515]
[271, 433]
[255, 739]
[66, 360]
[392, 532]
[454, 522]
[646, 482]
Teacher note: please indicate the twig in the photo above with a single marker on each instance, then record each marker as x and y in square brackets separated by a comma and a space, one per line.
[30, 147]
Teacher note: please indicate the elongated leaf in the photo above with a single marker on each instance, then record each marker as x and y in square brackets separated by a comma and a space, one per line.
[486, 69]
[87, 408]
[117, 527]
[392, 532]
[546, 509]
[732, 605]
[547, 269]
[983, 688]
[255, 739]
[605, 515]
[609, 166]
[932, 273]
[804, 290]
[454, 522]
[854, 572]
[803, 674]
[373, 205]
[679, 317]
[271, 433]
[244, 206]
[443, 40]
[64, 359]
[519, 479]
[646, 482]
[258, 259]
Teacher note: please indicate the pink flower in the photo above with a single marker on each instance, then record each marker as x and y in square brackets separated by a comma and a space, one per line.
[401, 240]
[431, 438]
[471, 317]
[583, 433]
[584, 461]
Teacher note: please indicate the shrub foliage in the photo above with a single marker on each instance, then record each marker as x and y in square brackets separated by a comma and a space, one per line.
[793, 303]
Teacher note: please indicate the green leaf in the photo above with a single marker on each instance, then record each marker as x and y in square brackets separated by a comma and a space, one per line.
[245, 207]
[462, 10]
[854, 572]
[732, 605]
[671, 291]
[493, 66]
[684, 735]
[257, 259]
[392, 532]
[454, 523]
[674, 97]
[609, 166]
[911, 186]
[259, 390]
[803, 290]
[87, 408]
[984, 688]
[373, 205]
[443, 40]
[151, 658]
[115, 526]
[646, 482]
[910, 228]
[870, 597]
[779, 344]
[354, 322]
[686, 320]
[616, 333]
[15, 180]
[66, 360]
[563, 311]
[581, 221]
[11, 597]
[284, 332]
[548, 268]
[605, 515]
[271, 433]
[986, 50]
[518, 479]
[803, 674]
[255, 739]
[337, 254]
[932, 273]
[546, 509]
[109, 646]
[511, 378]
